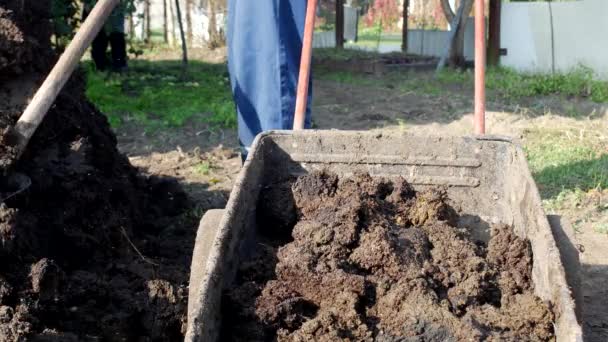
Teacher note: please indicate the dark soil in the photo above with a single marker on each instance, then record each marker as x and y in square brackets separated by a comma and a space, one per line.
[372, 260]
[91, 251]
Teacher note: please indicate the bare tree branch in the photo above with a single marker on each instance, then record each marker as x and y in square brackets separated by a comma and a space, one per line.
[447, 10]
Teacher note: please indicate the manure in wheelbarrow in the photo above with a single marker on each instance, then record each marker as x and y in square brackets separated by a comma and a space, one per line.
[374, 260]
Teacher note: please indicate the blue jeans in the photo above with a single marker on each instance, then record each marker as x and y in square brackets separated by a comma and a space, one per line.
[264, 40]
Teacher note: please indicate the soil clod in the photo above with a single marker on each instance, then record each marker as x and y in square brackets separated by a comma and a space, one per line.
[374, 260]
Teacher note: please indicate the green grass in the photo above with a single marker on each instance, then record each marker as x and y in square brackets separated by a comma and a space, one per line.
[504, 82]
[404, 81]
[601, 228]
[372, 38]
[325, 27]
[159, 94]
[371, 34]
[371, 42]
[514, 85]
[419, 85]
[204, 167]
[349, 78]
[341, 55]
[565, 168]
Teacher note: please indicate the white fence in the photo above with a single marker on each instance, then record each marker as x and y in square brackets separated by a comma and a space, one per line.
[420, 42]
[433, 43]
[555, 36]
[325, 39]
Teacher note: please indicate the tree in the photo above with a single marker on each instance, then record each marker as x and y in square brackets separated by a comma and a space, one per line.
[64, 15]
[189, 6]
[216, 37]
[165, 23]
[131, 26]
[457, 49]
[494, 33]
[340, 24]
[182, 35]
[171, 23]
[385, 13]
[426, 14]
[406, 7]
[381, 15]
[147, 17]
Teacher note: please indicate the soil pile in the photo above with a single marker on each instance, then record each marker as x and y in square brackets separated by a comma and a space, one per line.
[91, 250]
[372, 260]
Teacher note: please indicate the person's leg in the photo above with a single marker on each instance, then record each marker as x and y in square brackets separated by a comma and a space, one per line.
[117, 39]
[119, 51]
[263, 61]
[98, 51]
[253, 64]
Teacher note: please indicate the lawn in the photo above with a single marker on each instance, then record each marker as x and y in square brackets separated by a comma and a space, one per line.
[508, 84]
[578, 82]
[564, 164]
[160, 94]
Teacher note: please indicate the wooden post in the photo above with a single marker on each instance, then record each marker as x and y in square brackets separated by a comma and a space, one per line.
[340, 24]
[406, 5]
[494, 33]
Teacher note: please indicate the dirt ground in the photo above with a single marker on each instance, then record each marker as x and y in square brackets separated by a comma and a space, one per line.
[204, 160]
[373, 260]
[92, 250]
[180, 152]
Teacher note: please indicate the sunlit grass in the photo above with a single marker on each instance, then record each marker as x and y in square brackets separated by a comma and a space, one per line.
[161, 94]
[566, 168]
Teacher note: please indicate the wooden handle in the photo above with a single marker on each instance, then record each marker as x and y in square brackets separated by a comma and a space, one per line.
[303, 80]
[59, 75]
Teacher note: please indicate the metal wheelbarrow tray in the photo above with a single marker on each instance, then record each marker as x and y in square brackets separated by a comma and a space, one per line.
[486, 177]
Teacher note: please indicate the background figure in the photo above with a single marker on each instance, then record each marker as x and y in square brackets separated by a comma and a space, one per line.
[264, 47]
[113, 33]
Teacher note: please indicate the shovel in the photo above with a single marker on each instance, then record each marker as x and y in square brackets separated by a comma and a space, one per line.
[19, 135]
[35, 112]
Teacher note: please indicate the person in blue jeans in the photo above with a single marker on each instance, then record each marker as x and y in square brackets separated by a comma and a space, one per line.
[264, 39]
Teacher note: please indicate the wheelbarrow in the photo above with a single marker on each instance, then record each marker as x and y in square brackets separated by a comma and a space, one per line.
[486, 177]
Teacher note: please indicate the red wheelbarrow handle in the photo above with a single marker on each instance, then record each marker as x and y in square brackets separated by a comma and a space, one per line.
[305, 61]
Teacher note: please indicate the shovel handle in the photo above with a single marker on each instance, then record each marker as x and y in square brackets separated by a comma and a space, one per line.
[304, 77]
[59, 75]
